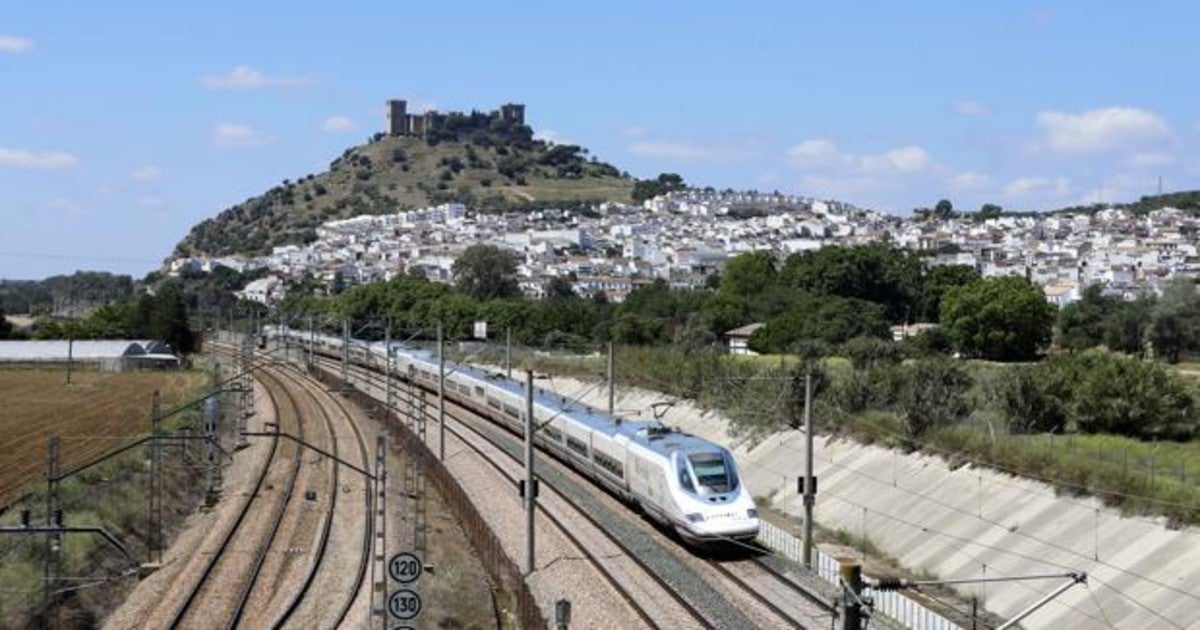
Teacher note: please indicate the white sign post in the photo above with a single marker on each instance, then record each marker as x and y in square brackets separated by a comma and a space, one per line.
[481, 329]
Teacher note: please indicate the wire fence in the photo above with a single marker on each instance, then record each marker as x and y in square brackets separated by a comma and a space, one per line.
[487, 545]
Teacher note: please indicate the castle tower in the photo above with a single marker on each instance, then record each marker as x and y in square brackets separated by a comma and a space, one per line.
[513, 112]
[397, 117]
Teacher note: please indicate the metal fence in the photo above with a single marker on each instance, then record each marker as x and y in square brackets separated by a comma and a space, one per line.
[896, 606]
[488, 547]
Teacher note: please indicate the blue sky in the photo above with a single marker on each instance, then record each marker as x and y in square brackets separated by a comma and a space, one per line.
[122, 124]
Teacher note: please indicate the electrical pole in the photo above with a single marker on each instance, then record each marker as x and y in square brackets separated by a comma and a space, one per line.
[810, 482]
[508, 352]
[441, 395]
[345, 354]
[529, 490]
[154, 533]
[70, 351]
[387, 375]
[612, 385]
[852, 587]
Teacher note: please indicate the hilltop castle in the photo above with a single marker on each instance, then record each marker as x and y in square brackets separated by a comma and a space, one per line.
[402, 123]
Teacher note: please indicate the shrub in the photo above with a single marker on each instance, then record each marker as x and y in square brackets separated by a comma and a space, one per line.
[934, 394]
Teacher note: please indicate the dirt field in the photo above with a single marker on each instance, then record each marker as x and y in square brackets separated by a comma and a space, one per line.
[94, 414]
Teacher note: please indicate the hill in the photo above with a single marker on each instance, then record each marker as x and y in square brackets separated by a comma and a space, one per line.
[490, 165]
[1186, 200]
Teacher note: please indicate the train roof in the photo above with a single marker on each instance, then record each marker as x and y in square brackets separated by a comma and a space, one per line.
[651, 434]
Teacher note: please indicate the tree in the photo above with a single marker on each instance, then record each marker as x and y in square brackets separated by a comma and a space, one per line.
[1032, 398]
[998, 319]
[944, 210]
[1175, 320]
[1082, 324]
[934, 394]
[559, 287]
[486, 271]
[6, 327]
[1126, 396]
[989, 211]
[827, 318]
[750, 273]
[879, 272]
[644, 189]
[865, 352]
[937, 280]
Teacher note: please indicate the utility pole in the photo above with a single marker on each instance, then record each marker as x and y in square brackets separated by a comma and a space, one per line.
[810, 482]
[612, 384]
[530, 489]
[53, 540]
[508, 352]
[154, 530]
[852, 587]
[441, 395]
[387, 375]
[70, 351]
[312, 340]
[345, 354]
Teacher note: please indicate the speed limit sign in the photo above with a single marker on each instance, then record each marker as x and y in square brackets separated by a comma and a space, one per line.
[404, 604]
[405, 567]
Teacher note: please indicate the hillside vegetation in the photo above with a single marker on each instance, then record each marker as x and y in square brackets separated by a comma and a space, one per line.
[488, 164]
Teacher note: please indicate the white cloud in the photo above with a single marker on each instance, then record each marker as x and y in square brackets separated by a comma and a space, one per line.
[971, 108]
[688, 151]
[1037, 186]
[1099, 130]
[146, 173]
[823, 154]
[338, 124]
[968, 181]
[247, 78]
[550, 135]
[69, 207]
[632, 131]
[46, 160]
[14, 44]
[234, 135]
[813, 152]
[908, 159]
[1149, 160]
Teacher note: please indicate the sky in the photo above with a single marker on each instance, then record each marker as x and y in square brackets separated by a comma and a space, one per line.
[122, 124]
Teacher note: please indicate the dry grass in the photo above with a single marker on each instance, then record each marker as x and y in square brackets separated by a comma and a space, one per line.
[96, 413]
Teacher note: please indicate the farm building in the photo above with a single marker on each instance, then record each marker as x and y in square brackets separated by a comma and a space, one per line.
[111, 355]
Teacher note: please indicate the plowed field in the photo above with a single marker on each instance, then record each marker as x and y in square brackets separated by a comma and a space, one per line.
[99, 411]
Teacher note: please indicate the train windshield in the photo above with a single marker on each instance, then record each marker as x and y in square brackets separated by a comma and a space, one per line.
[714, 472]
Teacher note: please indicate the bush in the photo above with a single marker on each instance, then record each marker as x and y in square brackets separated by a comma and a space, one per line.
[934, 395]
[865, 352]
[1031, 399]
[1126, 396]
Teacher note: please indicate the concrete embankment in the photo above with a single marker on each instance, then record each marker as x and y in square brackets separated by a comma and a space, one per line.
[966, 522]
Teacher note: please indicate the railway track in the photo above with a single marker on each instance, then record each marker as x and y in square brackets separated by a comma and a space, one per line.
[768, 586]
[205, 604]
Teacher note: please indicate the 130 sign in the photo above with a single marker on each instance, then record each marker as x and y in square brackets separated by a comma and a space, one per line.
[404, 604]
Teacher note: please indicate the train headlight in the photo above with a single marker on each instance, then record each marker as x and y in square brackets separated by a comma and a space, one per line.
[695, 518]
[752, 513]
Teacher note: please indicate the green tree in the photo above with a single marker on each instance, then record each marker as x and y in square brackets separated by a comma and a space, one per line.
[486, 271]
[1126, 396]
[998, 319]
[934, 394]
[827, 318]
[866, 352]
[944, 210]
[879, 272]
[6, 327]
[559, 287]
[748, 274]
[644, 189]
[936, 281]
[1082, 324]
[989, 211]
[1032, 398]
[1125, 329]
[1175, 320]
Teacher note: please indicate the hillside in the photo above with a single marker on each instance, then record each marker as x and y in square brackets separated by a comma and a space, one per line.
[487, 164]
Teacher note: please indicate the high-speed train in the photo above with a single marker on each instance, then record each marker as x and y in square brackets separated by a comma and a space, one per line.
[683, 481]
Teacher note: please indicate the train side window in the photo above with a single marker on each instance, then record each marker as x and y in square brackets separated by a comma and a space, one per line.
[479, 391]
